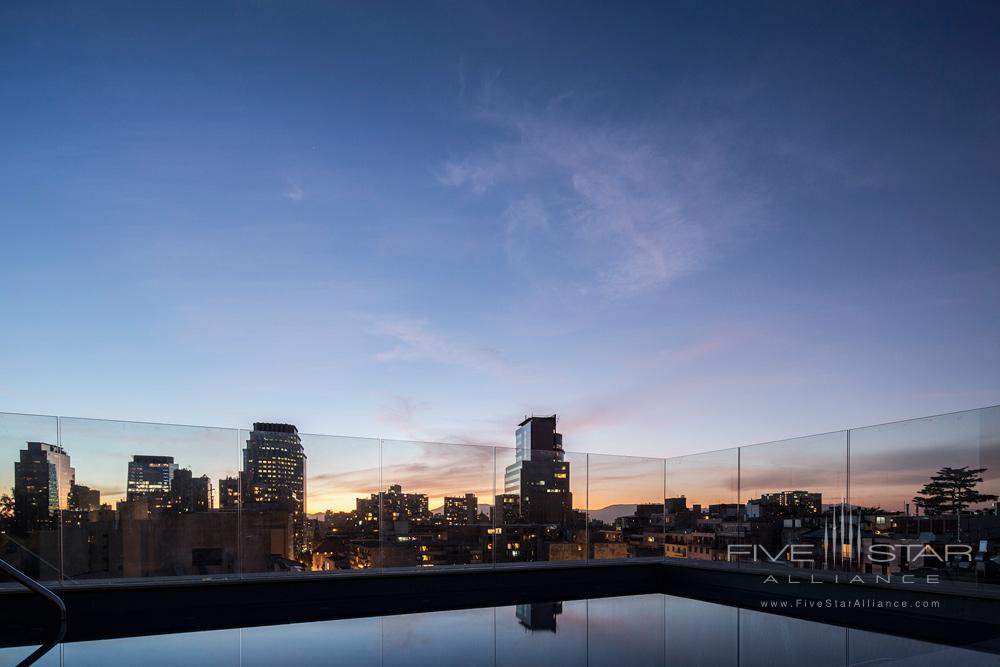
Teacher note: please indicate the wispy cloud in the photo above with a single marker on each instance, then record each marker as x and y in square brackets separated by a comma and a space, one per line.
[417, 343]
[294, 192]
[407, 417]
[400, 412]
[615, 210]
[439, 469]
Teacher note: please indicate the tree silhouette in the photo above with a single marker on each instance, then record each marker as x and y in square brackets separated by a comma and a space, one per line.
[952, 490]
[6, 511]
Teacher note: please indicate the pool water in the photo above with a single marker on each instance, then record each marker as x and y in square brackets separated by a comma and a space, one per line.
[620, 632]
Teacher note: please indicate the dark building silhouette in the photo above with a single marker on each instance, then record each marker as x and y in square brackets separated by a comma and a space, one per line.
[726, 511]
[539, 474]
[649, 515]
[274, 476]
[43, 479]
[84, 498]
[229, 493]
[648, 510]
[675, 505]
[461, 511]
[507, 507]
[539, 616]
[150, 478]
[677, 516]
[189, 493]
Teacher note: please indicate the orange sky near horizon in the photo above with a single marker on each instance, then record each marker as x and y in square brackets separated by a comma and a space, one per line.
[888, 464]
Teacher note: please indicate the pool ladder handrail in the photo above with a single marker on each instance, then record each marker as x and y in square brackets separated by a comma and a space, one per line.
[35, 587]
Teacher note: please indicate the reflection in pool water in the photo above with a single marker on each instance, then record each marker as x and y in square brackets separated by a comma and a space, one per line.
[621, 631]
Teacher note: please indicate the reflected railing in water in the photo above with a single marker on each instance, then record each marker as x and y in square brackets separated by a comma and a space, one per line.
[645, 630]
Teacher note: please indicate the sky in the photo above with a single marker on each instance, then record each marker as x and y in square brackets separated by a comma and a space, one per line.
[680, 226]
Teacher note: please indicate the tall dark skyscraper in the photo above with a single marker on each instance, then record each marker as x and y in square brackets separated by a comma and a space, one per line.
[539, 474]
[43, 479]
[151, 478]
[274, 475]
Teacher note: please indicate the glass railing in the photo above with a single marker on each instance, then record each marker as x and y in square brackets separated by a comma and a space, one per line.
[925, 492]
[793, 497]
[143, 500]
[433, 508]
[86, 500]
[702, 506]
[625, 506]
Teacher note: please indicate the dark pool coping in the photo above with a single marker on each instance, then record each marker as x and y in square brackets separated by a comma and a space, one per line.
[96, 610]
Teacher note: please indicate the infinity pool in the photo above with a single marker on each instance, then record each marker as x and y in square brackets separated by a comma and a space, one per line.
[621, 632]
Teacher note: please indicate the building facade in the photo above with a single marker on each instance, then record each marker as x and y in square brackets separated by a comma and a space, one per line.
[190, 493]
[229, 493]
[507, 508]
[274, 476]
[461, 510]
[43, 480]
[151, 478]
[84, 498]
[540, 475]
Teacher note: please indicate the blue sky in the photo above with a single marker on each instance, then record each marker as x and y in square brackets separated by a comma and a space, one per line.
[680, 226]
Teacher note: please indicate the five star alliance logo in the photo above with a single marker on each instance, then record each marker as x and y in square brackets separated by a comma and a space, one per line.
[844, 549]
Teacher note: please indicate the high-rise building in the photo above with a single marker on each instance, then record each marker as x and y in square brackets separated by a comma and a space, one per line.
[540, 475]
[189, 493]
[366, 510]
[274, 475]
[394, 505]
[461, 511]
[150, 478]
[43, 479]
[229, 493]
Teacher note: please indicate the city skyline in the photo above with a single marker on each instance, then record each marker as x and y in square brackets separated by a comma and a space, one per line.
[795, 491]
[886, 471]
